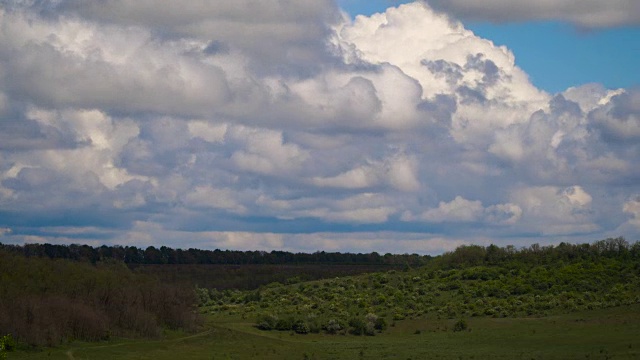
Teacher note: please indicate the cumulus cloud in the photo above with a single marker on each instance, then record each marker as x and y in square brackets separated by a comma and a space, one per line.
[554, 211]
[397, 171]
[287, 125]
[264, 151]
[619, 120]
[277, 36]
[463, 210]
[586, 13]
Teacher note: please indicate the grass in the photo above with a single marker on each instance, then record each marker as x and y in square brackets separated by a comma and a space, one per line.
[598, 334]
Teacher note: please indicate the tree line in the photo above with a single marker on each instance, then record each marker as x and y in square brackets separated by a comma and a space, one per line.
[167, 255]
[47, 302]
[535, 254]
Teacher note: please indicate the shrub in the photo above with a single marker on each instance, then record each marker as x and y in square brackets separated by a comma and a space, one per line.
[202, 294]
[357, 326]
[333, 326]
[460, 325]
[267, 322]
[6, 344]
[314, 327]
[301, 327]
[380, 324]
[285, 324]
[369, 329]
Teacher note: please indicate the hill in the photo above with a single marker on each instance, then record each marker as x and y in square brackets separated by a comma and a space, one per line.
[474, 302]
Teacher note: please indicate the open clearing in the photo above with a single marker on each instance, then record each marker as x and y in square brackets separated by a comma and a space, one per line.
[601, 334]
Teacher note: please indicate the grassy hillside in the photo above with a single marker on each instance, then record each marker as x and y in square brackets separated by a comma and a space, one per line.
[514, 287]
[594, 334]
[557, 302]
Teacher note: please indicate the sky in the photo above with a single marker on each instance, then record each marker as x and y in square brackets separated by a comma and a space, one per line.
[402, 127]
[555, 53]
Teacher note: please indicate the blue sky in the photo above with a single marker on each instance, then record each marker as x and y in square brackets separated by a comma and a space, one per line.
[556, 55]
[282, 125]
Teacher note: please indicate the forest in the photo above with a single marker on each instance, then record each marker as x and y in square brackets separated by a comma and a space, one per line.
[55, 295]
[166, 255]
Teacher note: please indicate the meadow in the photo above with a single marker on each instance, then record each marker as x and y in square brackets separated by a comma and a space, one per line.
[597, 334]
[557, 302]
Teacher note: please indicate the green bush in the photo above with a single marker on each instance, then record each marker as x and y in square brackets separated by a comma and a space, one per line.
[267, 322]
[369, 329]
[333, 326]
[358, 326]
[381, 324]
[301, 327]
[460, 325]
[6, 344]
[285, 324]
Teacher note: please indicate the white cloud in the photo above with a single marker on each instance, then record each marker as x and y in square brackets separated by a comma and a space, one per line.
[398, 171]
[381, 242]
[122, 115]
[277, 36]
[265, 152]
[210, 132]
[363, 208]
[206, 196]
[459, 209]
[462, 210]
[244, 240]
[577, 196]
[554, 211]
[422, 44]
[358, 178]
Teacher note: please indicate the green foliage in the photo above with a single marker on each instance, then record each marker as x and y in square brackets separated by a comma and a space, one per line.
[165, 255]
[333, 326]
[380, 324]
[202, 295]
[45, 302]
[535, 281]
[301, 327]
[285, 323]
[7, 344]
[267, 322]
[460, 325]
[357, 326]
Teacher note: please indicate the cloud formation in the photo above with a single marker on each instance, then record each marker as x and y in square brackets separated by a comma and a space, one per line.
[585, 13]
[287, 125]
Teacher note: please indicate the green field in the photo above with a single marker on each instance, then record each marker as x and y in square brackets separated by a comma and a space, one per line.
[597, 334]
[564, 302]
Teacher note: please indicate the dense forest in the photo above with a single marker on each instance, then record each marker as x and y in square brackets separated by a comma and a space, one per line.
[53, 294]
[47, 302]
[166, 255]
